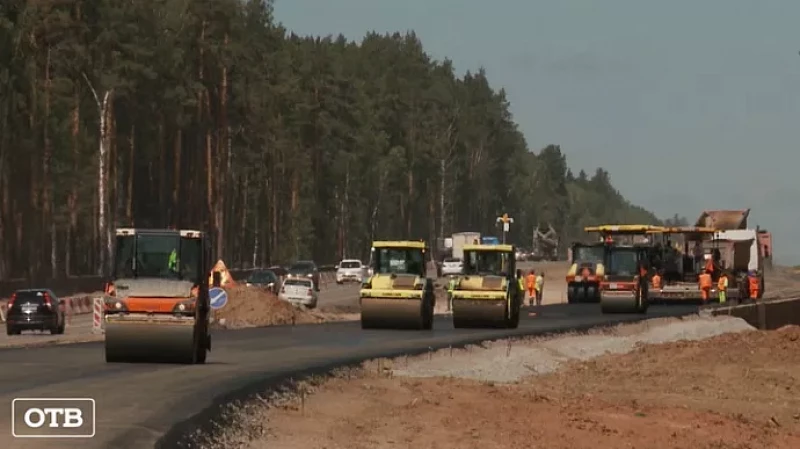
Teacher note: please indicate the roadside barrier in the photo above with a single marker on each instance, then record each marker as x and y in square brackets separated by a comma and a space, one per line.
[97, 318]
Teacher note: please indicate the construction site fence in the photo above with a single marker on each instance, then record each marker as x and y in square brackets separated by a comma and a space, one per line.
[82, 284]
[765, 315]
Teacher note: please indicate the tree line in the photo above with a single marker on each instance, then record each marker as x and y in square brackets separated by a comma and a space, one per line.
[209, 114]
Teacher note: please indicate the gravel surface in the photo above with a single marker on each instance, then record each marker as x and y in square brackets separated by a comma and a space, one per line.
[507, 361]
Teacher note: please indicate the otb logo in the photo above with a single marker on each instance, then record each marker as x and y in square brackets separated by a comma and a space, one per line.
[53, 418]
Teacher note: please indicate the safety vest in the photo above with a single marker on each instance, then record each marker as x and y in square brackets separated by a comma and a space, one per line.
[754, 283]
[531, 281]
[451, 285]
[656, 281]
[173, 260]
[705, 280]
[539, 282]
[722, 283]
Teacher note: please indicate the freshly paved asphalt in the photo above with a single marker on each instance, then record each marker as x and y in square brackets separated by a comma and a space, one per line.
[139, 403]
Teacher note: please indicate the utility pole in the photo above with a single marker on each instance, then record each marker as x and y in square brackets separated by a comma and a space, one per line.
[506, 220]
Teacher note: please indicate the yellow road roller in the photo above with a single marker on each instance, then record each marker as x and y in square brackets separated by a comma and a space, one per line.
[488, 293]
[627, 278]
[398, 295]
[157, 305]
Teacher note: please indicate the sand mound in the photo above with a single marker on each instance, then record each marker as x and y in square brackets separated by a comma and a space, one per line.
[251, 307]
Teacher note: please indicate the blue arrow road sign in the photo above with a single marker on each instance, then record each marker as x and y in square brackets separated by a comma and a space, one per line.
[218, 297]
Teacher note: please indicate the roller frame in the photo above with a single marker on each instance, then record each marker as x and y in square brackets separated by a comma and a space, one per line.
[155, 339]
[477, 313]
[622, 301]
[398, 313]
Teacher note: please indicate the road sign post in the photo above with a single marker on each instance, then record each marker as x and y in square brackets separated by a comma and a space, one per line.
[506, 221]
[218, 297]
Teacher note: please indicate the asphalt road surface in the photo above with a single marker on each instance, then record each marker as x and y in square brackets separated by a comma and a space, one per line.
[137, 404]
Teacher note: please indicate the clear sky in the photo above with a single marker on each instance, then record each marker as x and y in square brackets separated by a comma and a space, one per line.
[689, 105]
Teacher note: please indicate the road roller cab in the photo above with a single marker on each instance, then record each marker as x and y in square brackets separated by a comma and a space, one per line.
[624, 290]
[398, 294]
[488, 293]
[586, 272]
[157, 305]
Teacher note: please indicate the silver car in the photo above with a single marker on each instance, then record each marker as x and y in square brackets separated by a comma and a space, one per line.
[349, 270]
[300, 292]
[452, 267]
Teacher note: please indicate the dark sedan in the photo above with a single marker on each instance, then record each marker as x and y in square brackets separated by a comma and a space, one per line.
[266, 279]
[35, 309]
[305, 269]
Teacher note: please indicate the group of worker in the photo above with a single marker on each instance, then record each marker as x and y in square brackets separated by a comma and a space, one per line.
[712, 271]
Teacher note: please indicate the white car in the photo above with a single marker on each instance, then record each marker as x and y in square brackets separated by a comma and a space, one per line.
[349, 270]
[452, 267]
[299, 291]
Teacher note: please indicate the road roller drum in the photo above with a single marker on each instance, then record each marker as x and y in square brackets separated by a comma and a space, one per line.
[396, 313]
[147, 342]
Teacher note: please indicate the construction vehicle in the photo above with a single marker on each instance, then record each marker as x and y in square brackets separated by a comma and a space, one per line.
[545, 244]
[742, 252]
[587, 261]
[157, 304]
[488, 293]
[683, 255]
[623, 289]
[398, 294]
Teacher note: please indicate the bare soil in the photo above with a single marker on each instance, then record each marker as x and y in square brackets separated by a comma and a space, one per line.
[250, 307]
[737, 390]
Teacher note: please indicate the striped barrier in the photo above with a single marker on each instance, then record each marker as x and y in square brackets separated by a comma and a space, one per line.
[97, 316]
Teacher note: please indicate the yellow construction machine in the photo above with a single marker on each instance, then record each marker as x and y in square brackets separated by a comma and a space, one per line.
[398, 295]
[488, 293]
[157, 305]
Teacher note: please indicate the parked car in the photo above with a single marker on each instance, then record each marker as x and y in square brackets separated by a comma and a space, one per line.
[299, 291]
[452, 267]
[304, 269]
[266, 279]
[349, 270]
[279, 270]
[35, 309]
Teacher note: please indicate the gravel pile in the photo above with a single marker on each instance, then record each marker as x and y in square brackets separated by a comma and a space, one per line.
[507, 361]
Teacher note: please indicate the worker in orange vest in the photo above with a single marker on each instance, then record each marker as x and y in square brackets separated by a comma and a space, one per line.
[754, 283]
[531, 284]
[656, 281]
[585, 272]
[722, 287]
[705, 285]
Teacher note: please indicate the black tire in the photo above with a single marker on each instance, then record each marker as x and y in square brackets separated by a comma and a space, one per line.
[11, 331]
[339, 282]
[580, 294]
[592, 294]
[571, 299]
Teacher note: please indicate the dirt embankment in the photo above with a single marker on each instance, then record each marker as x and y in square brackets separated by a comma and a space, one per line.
[250, 307]
[740, 389]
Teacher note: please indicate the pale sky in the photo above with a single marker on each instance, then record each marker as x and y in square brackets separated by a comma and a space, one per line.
[689, 105]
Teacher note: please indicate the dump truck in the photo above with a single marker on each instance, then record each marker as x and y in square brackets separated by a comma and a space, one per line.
[398, 294]
[623, 289]
[488, 293]
[157, 305]
[587, 265]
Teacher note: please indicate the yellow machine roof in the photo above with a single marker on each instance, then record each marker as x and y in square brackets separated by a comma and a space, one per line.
[399, 244]
[188, 233]
[495, 248]
[686, 230]
[624, 229]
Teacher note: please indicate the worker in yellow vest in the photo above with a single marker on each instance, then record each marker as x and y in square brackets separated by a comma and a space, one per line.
[722, 287]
